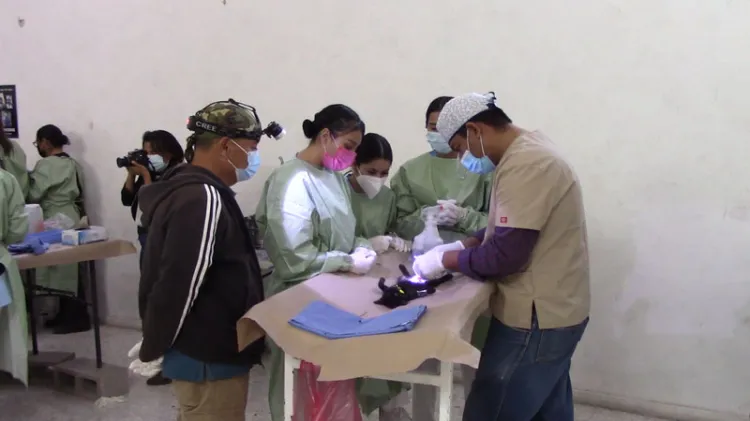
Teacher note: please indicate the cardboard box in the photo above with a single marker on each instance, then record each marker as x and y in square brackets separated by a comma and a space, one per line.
[443, 332]
[84, 236]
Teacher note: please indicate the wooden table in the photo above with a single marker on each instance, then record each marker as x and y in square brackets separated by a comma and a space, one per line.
[86, 255]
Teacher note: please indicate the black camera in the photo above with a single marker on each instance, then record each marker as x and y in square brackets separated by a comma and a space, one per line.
[139, 156]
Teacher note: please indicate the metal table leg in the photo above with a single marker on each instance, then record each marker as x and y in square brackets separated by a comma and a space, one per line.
[36, 358]
[30, 275]
[290, 364]
[95, 311]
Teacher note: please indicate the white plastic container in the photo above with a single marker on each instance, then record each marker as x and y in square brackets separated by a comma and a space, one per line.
[36, 219]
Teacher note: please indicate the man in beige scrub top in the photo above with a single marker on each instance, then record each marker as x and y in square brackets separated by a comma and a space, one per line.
[534, 249]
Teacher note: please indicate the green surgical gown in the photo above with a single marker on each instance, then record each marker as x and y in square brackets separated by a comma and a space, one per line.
[306, 220]
[54, 185]
[424, 180]
[15, 164]
[13, 324]
[376, 216]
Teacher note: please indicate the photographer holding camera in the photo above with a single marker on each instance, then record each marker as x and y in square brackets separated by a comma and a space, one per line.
[160, 152]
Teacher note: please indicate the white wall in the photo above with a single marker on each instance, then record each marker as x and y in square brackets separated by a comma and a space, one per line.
[649, 98]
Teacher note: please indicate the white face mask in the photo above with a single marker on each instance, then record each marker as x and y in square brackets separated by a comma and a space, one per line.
[371, 184]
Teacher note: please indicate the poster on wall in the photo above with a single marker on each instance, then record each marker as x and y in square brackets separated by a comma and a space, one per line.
[9, 110]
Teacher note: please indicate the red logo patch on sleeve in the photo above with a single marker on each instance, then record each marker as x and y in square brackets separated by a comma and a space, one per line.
[503, 219]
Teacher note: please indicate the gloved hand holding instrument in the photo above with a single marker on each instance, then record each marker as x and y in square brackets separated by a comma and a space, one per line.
[382, 243]
[399, 244]
[430, 265]
[149, 369]
[450, 214]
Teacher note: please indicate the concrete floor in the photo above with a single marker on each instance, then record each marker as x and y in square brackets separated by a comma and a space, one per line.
[41, 403]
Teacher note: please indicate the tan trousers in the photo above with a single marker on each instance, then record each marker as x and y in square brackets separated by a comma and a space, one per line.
[219, 400]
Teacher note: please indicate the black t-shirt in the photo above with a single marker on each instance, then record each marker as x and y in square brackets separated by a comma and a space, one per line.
[131, 198]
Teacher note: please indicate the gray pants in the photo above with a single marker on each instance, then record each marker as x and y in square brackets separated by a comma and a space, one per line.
[424, 397]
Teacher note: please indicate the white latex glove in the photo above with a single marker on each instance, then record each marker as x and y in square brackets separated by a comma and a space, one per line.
[450, 211]
[454, 246]
[380, 243]
[399, 244]
[447, 218]
[429, 265]
[133, 353]
[149, 369]
[362, 260]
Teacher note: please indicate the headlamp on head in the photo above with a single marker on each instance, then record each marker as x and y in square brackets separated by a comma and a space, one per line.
[224, 118]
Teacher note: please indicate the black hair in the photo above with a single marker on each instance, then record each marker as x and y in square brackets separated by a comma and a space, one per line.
[436, 105]
[373, 146]
[53, 134]
[493, 116]
[337, 118]
[164, 142]
[5, 144]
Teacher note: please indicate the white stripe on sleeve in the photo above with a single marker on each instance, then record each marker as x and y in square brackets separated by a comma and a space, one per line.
[205, 252]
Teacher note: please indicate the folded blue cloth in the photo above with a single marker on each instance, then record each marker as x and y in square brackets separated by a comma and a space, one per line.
[30, 245]
[330, 322]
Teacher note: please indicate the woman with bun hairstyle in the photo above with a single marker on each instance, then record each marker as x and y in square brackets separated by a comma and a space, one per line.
[56, 184]
[306, 221]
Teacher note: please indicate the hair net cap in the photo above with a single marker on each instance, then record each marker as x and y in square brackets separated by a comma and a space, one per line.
[460, 110]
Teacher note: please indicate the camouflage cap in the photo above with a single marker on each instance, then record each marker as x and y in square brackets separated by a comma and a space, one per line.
[227, 117]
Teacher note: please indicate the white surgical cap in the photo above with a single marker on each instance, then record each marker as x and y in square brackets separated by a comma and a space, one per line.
[460, 110]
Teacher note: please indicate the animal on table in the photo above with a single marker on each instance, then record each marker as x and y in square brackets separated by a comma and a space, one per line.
[408, 287]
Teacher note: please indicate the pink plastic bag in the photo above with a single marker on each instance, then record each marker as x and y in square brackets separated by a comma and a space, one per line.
[323, 401]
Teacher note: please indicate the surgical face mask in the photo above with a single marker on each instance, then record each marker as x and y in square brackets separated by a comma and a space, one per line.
[253, 162]
[476, 165]
[340, 160]
[157, 162]
[370, 184]
[438, 143]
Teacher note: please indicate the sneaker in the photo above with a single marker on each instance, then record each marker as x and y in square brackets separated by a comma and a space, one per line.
[158, 380]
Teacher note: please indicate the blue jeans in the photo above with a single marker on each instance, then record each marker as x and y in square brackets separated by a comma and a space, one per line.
[524, 374]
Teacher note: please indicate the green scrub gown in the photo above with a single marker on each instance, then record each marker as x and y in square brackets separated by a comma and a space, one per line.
[424, 180]
[306, 220]
[13, 324]
[54, 185]
[15, 164]
[376, 216]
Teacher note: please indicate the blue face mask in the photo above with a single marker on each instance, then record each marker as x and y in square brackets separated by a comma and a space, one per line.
[476, 165]
[253, 163]
[157, 162]
[438, 143]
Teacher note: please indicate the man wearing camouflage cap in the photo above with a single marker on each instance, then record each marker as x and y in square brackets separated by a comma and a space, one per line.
[200, 273]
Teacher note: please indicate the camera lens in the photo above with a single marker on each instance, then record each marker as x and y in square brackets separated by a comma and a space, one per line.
[275, 130]
[123, 162]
